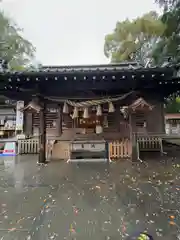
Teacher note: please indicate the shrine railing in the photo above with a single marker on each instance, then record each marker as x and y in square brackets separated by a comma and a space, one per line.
[28, 146]
[150, 143]
[31, 146]
[121, 149]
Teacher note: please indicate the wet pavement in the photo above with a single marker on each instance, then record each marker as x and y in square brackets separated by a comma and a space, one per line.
[88, 201]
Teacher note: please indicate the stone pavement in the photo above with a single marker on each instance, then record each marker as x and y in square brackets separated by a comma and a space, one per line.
[88, 201]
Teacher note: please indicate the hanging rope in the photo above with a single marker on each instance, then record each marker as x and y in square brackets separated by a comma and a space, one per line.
[90, 103]
[96, 102]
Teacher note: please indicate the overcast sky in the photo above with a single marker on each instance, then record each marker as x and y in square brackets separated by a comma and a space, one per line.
[72, 31]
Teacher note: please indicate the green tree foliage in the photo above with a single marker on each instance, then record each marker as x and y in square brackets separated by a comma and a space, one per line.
[170, 42]
[134, 40]
[168, 4]
[173, 104]
[169, 46]
[13, 47]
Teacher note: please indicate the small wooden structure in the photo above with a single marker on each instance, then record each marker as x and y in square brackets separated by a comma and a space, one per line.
[172, 123]
[110, 103]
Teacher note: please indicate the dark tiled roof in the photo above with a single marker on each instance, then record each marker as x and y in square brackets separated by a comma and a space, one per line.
[172, 116]
[140, 103]
[111, 68]
[101, 67]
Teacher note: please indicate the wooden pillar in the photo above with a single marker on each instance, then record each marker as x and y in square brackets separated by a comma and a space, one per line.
[42, 133]
[133, 138]
[162, 118]
[28, 123]
[59, 121]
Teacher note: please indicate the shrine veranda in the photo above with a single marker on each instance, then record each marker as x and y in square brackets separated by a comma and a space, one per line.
[110, 104]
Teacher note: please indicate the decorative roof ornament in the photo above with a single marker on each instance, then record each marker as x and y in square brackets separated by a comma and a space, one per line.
[124, 111]
[168, 61]
[4, 66]
[148, 63]
[140, 104]
[33, 105]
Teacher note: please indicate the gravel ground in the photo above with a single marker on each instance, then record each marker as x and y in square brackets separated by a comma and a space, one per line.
[96, 201]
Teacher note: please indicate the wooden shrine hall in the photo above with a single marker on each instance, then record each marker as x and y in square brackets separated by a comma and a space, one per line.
[93, 106]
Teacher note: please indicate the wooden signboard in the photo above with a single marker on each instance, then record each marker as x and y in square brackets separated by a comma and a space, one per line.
[90, 122]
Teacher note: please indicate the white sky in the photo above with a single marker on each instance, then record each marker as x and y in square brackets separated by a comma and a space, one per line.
[72, 31]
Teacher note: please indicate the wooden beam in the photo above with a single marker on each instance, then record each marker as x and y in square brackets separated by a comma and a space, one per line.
[133, 138]
[42, 133]
[59, 120]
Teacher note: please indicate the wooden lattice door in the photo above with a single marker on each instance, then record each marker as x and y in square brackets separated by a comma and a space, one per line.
[141, 122]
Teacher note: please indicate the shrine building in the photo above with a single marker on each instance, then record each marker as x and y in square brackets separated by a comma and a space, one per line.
[91, 112]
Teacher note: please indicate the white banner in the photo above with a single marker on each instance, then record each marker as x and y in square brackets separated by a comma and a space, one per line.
[19, 115]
